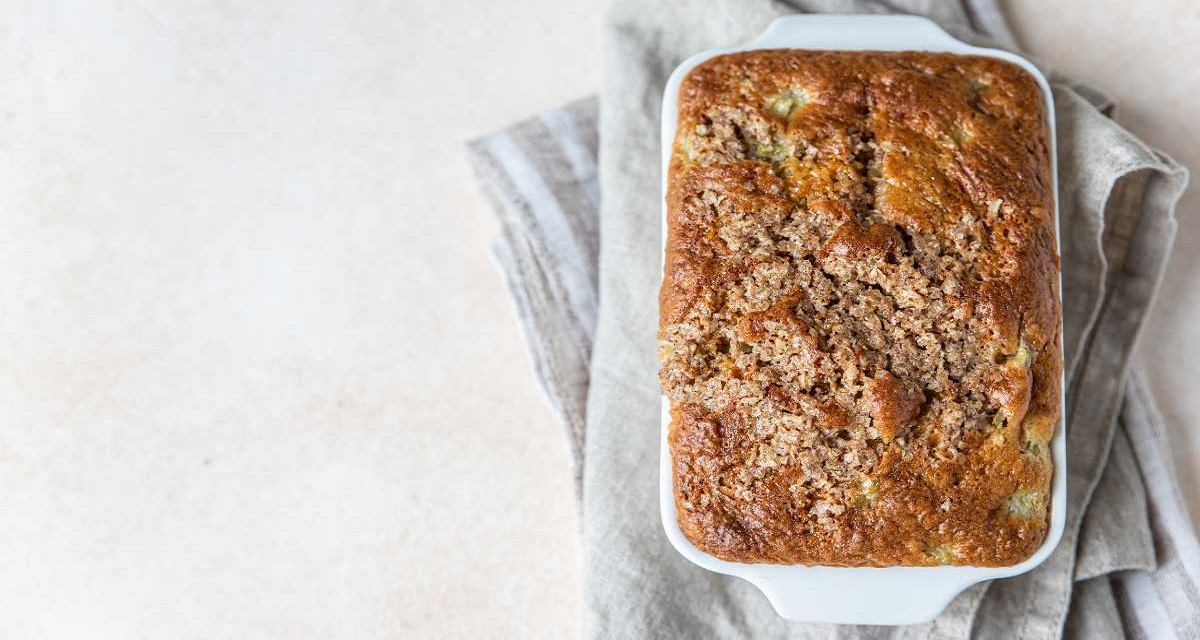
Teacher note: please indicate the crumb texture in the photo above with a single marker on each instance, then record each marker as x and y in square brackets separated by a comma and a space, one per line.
[860, 326]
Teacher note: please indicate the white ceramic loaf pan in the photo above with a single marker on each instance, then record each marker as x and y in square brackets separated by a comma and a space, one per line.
[892, 595]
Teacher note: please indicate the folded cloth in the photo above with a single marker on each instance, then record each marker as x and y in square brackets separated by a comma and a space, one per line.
[580, 253]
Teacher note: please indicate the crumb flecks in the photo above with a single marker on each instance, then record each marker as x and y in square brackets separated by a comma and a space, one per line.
[858, 298]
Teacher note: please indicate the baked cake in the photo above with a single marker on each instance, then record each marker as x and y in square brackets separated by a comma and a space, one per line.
[860, 319]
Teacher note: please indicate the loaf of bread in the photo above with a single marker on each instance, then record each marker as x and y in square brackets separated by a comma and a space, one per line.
[860, 319]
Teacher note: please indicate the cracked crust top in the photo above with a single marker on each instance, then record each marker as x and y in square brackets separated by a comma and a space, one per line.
[860, 319]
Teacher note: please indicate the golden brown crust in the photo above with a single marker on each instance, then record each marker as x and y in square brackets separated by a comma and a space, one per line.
[860, 320]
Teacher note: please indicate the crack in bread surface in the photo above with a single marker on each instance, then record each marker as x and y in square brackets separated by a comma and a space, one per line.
[859, 315]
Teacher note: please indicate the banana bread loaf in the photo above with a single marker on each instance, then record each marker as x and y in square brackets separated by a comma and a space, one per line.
[860, 320]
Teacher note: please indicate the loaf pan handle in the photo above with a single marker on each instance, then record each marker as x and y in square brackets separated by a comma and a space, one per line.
[885, 33]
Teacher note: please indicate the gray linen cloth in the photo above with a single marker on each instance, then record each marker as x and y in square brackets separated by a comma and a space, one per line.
[579, 248]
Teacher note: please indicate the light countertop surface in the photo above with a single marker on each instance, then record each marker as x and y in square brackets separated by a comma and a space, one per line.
[259, 377]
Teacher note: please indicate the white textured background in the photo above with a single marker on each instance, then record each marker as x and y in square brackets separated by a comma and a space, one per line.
[258, 378]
